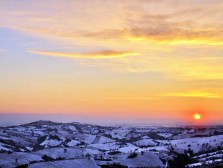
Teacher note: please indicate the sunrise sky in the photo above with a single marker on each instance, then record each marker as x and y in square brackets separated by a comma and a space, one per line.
[126, 60]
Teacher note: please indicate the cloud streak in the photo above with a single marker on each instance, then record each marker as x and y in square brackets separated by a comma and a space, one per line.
[102, 54]
[173, 28]
[194, 95]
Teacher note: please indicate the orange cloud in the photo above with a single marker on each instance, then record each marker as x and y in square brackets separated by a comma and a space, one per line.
[168, 26]
[89, 55]
[194, 95]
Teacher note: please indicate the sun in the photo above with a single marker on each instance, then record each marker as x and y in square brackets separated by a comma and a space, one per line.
[197, 116]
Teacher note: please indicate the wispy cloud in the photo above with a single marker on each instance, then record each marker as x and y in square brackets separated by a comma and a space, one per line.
[193, 95]
[163, 36]
[140, 98]
[173, 28]
[90, 55]
[129, 21]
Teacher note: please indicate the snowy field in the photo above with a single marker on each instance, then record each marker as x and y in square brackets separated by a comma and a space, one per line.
[48, 144]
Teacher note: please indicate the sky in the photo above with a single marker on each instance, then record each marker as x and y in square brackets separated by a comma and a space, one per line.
[112, 60]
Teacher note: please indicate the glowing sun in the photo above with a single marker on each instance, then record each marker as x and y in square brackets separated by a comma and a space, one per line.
[197, 116]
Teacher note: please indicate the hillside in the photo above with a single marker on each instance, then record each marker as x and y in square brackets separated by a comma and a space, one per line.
[46, 143]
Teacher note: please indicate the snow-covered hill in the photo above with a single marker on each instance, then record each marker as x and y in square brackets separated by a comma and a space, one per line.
[46, 143]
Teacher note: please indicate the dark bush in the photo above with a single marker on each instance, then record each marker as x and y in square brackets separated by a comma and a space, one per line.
[22, 166]
[180, 161]
[132, 155]
[114, 153]
[47, 158]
